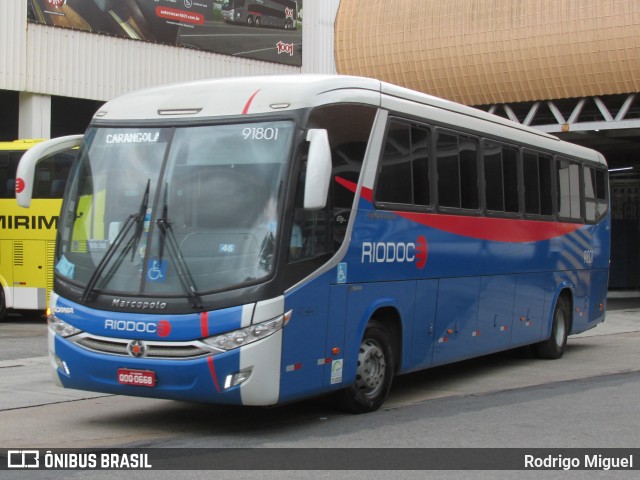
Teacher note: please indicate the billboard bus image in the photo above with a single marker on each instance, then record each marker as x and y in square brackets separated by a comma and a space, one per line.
[27, 238]
[259, 240]
[266, 13]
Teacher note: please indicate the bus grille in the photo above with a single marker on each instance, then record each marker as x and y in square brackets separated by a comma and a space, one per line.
[50, 248]
[154, 350]
[18, 254]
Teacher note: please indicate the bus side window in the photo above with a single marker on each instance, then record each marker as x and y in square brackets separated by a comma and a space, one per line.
[457, 165]
[501, 177]
[8, 165]
[404, 172]
[51, 175]
[322, 231]
[568, 184]
[538, 193]
[595, 193]
[309, 236]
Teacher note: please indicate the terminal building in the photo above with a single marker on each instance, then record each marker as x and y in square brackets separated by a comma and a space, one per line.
[560, 66]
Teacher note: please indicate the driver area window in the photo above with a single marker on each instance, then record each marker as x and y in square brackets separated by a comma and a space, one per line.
[318, 232]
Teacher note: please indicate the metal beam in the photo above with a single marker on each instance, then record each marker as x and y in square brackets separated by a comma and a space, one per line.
[569, 117]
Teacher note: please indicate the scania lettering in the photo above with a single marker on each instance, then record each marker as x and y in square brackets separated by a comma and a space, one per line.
[289, 236]
[64, 310]
[27, 238]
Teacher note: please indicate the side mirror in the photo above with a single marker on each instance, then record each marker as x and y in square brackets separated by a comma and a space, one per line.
[318, 176]
[27, 166]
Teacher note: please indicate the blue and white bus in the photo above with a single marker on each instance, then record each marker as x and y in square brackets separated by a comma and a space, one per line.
[260, 240]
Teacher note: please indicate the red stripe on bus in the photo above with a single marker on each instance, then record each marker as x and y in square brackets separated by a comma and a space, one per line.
[212, 369]
[482, 228]
[248, 104]
[204, 324]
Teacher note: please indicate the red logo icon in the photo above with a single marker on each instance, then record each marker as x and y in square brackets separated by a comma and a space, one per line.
[285, 48]
[421, 252]
[164, 328]
[19, 185]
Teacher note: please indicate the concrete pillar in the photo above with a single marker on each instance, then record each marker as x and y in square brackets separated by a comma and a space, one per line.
[34, 118]
[318, 36]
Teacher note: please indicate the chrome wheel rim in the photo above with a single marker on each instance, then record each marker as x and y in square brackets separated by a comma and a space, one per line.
[372, 368]
[560, 328]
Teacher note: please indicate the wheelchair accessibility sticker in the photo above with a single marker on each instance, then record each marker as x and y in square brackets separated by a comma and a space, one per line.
[157, 270]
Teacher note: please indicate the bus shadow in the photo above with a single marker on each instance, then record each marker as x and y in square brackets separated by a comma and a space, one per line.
[248, 426]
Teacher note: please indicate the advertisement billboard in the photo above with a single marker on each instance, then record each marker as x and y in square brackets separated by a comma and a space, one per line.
[268, 30]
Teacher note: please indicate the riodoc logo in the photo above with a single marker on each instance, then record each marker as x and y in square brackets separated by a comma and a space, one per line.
[161, 328]
[396, 252]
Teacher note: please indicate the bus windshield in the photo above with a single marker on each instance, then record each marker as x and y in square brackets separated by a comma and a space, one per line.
[197, 212]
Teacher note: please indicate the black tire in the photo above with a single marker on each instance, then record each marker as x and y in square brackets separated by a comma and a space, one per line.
[3, 305]
[374, 372]
[257, 22]
[553, 347]
[250, 21]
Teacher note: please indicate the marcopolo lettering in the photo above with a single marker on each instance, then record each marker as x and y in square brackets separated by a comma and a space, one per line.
[138, 304]
[28, 222]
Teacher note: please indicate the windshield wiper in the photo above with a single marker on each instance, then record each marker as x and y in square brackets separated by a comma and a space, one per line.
[136, 218]
[142, 212]
[168, 238]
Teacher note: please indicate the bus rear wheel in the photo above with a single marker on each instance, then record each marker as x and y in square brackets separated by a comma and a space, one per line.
[553, 347]
[374, 372]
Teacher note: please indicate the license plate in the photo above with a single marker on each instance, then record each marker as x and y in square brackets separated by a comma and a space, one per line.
[139, 378]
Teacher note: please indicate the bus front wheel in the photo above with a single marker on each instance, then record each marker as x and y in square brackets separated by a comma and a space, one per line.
[553, 347]
[374, 372]
[3, 305]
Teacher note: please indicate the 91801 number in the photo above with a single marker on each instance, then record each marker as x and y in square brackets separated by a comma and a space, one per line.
[260, 133]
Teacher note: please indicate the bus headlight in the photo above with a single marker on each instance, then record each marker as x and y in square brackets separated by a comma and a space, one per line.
[245, 336]
[61, 327]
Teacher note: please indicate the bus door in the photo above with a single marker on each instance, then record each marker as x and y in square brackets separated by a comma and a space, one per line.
[456, 319]
[528, 316]
[424, 324]
[30, 273]
[495, 315]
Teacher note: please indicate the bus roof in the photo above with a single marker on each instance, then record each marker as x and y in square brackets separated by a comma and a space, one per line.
[272, 93]
[234, 96]
[20, 145]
